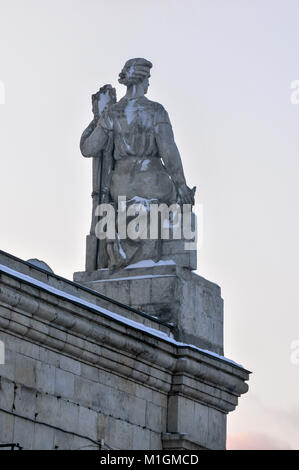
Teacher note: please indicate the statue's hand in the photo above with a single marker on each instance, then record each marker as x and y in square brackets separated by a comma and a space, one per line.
[186, 194]
[105, 97]
[95, 108]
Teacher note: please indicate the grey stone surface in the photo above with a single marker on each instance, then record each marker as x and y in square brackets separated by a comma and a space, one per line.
[179, 441]
[23, 433]
[64, 383]
[175, 295]
[80, 379]
[43, 437]
[29, 293]
[45, 377]
[7, 422]
[134, 157]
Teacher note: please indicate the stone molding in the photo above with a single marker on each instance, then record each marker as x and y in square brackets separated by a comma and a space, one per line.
[28, 312]
[179, 441]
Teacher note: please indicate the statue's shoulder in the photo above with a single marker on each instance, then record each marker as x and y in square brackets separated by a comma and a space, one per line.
[160, 113]
[117, 110]
[154, 104]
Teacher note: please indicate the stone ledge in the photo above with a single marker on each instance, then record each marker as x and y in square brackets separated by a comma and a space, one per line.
[149, 359]
[158, 270]
[179, 441]
[78, 290]
[173, 294]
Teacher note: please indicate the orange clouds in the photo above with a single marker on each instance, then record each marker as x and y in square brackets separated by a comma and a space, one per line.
[255, 442]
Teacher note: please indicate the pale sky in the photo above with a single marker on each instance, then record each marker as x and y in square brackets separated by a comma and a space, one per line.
[222, 69]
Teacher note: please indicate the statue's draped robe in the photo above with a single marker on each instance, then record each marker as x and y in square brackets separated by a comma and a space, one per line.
[138, 168]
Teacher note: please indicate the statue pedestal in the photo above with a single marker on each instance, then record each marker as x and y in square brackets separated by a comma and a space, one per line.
[170, 250]
[169, 292]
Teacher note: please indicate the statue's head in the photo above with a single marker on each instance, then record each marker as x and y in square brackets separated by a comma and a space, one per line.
[136, 71]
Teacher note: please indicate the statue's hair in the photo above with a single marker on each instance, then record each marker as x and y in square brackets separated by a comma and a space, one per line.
[134, 71]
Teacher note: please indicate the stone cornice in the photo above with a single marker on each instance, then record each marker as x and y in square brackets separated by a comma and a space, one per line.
[80, 290]
[90, 337]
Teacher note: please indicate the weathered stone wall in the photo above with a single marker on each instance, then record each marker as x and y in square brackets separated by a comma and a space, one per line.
[50, 401]
[77, 375]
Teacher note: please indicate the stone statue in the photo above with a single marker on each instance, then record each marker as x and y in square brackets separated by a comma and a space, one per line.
[134, 155]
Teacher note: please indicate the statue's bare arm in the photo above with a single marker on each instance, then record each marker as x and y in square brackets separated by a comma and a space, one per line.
[172, 161]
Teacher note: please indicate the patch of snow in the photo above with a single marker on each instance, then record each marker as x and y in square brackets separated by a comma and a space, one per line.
[121, 251]
[110, 121]
[131, 69]
[149, 263]
[126, 321]
[126, 144]
[141, 201]
[149, 276]
[144, 165]
[103, 101]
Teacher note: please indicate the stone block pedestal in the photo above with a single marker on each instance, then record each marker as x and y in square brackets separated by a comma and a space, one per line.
[171, 293]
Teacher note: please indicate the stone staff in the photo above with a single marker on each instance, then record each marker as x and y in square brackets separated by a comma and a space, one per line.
[102, 165]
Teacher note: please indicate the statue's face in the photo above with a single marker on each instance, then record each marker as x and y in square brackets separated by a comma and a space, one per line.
[122, 74]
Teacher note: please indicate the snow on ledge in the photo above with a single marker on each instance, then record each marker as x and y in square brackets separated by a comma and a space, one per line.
[145, 276]
[108, 313]
[149, 263]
